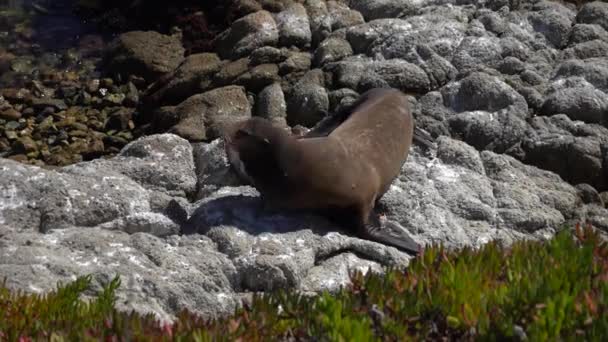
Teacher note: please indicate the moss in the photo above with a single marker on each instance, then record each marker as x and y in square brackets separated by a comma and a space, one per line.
[544, 290]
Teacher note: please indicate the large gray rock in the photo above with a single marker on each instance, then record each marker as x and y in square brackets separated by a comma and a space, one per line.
[594, 13]
[247, 34]
[193, 76]
[204, 116]
[452, 194]
[293, 26]
[377, 9]
[148, 54]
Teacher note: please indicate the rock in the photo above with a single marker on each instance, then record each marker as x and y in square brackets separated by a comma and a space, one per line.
[266, 55]
[259, 77]
[131, 96]
[377, 9]
[474, 52]
[247, 34]
[592, 49]
[581, 103]
[203, 116]
[569, 148]
[41, 103]
[320, 21]
[581, 33]
[148, 54]
[437, 68]
[511, 66]
[25, 145]
[10, 114]
[296, 62]
[552, 24]
[594, 71]
[271, 103]
[363, 75]
[193, 76]
[113, 99]
[229, 72]
[161, 162]
[212, 168]
[332, 50]
[64, 199]
[342, 16]
[308, 102]
[588, 194]
[480, 91]
[293, 26]
[594, 13]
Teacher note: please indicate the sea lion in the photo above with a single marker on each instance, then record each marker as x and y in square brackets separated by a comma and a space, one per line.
[345, 171]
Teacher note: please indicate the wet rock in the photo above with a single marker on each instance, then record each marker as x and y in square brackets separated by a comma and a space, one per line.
[271, 103]
[308, 101]
[148, 54]
[594, 13]
[293, 26]
[247, 34]
[203, 116]
[193, 76]
[332, 50]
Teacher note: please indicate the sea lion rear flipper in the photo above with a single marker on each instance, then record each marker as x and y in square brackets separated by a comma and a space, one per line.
[391, 233]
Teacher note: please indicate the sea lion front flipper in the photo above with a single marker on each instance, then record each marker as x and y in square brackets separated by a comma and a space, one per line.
[390, 233]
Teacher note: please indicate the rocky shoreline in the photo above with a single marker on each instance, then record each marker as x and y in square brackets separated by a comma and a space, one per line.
[514, 93]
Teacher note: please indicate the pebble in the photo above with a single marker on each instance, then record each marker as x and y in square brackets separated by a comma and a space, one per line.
[10, 114]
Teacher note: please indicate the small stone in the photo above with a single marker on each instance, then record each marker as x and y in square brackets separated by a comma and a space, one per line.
[10, 114]
[132, 97]
[78, 133]
[80, 126]
[41, 103]
[11, 135]
[106, 83]
[113, 99]
[113, 140]
[25, 145]
[93, 86]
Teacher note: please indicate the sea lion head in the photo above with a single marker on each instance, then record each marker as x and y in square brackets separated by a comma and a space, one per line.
[252, 148]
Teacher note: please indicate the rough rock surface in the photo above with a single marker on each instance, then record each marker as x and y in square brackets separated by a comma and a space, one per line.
[515, 94]
[148, 54]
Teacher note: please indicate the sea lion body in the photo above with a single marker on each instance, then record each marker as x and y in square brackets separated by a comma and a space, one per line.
[349, 169]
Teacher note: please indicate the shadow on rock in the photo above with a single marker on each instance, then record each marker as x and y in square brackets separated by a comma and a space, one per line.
[247, 214]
